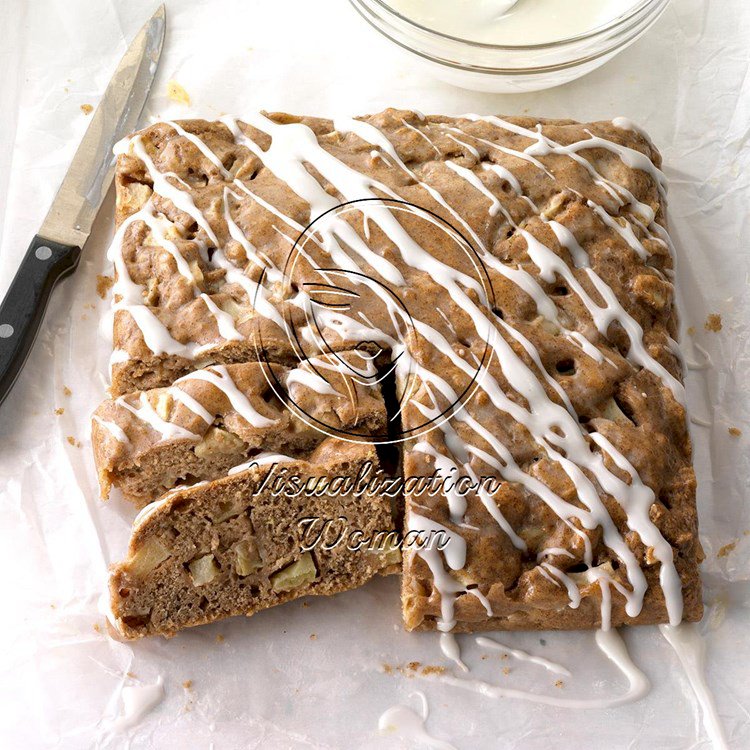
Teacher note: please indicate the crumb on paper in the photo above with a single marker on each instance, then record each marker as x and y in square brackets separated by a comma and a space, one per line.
[219, 638]
[60, 410]
[713, 323]
[506, 671]
[735, 431]
[177, 93]
[413, 668]
[727, 549]
[97, 627]
[103, 285]
[67, 391]
[71, 440]
[188, 684]
[691, 331]
[313, 636]
[87, 109]
[305, 604]
[559, 683]
[132, 675]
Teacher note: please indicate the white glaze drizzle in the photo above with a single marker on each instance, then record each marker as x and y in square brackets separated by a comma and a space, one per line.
[128, 296]
[422, 135]
[180, 198]
[224, 321]
[146, 413]
[192, 404]
[690, 647]
[114, 429]
[614, 649]
[410, 726]
[556, 575]
[219, 376]
[517, 653]
[454, 553]
[137, 701]
[312, 380]
[483, 600]
[553, 551]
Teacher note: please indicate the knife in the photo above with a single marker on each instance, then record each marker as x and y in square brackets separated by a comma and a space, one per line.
[54, 252]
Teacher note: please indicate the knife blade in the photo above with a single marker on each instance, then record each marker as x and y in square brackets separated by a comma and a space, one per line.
[55, 251]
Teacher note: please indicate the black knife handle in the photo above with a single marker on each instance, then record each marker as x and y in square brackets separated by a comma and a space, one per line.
[22, 310]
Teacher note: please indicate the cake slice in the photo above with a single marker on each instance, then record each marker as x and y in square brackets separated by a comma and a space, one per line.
[247, 542]
[213, 419]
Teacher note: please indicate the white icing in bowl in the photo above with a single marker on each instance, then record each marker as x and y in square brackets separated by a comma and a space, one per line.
[460, 53]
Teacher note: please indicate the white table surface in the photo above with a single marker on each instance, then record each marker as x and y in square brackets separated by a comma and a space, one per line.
[265, 682]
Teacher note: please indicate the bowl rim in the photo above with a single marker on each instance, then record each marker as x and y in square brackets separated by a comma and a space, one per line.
[615, 23]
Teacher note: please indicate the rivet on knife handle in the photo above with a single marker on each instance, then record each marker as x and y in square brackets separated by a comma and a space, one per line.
[22, 309]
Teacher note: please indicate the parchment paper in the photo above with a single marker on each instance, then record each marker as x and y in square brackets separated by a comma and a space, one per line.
[267, 682]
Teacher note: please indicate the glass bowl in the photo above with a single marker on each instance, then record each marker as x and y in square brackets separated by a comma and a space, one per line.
[510, 68]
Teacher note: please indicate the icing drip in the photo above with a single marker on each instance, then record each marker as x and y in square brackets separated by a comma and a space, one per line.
[516, 653]
[690, 648]
[410, 726]
[181, 198]
[454, 553]
[451, 650]
[611, 645]
[137, 701]
[557, 577]
[224, 321]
